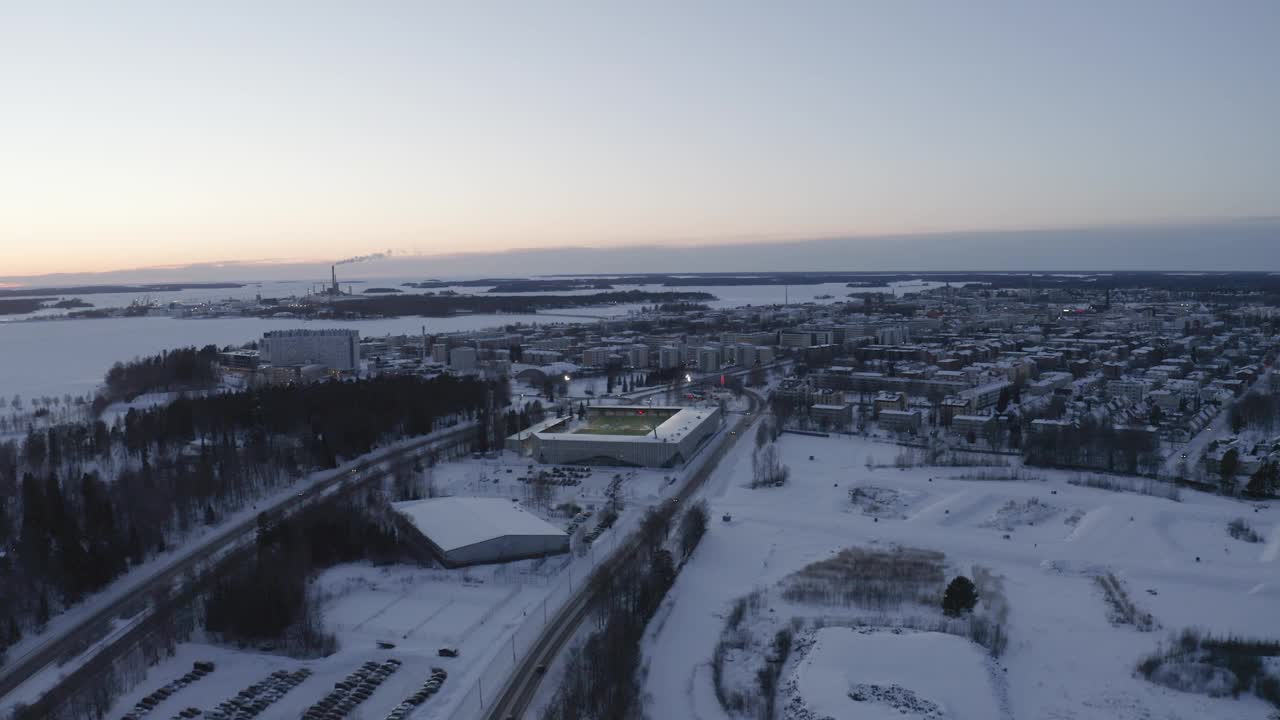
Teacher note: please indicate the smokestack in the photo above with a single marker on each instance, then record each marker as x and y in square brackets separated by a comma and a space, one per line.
[334, 269]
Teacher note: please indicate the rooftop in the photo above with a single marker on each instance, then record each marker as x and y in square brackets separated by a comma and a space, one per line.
[456, 522]
[673, 428]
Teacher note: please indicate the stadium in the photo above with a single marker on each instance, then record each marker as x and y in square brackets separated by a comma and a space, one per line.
[628, 435]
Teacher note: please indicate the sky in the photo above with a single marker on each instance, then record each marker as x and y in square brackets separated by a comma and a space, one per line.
[138, 134]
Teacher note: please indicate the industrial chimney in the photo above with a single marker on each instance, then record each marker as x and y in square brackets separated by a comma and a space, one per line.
[334, 269]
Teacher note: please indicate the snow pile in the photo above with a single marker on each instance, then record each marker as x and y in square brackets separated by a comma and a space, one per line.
[1017, 513]
[878, 675]
[896, 697]
[884, 502]
[1195, 677]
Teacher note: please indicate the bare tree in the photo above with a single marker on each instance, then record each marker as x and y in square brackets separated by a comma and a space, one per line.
[541, 492]
[767, 469]
[692, 527]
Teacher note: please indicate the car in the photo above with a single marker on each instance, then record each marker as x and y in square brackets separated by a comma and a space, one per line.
[449, 652]
[540, 670]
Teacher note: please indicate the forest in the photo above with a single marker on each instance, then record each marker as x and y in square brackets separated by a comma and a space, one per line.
[181, 369]
[265, 600]
[88, 500]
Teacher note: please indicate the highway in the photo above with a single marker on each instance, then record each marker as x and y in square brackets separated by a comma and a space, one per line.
[134, 590]
[519, 690]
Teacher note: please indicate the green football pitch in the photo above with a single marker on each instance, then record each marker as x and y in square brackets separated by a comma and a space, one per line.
[620, 425]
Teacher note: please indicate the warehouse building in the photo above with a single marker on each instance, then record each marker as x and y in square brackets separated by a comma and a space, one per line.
[461, 531]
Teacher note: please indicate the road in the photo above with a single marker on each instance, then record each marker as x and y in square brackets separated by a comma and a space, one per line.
[513, 701]
[81, 634]
[1196, 446]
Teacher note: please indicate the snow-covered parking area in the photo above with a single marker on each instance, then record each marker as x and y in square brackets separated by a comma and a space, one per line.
[417, 610]
[1068, 656]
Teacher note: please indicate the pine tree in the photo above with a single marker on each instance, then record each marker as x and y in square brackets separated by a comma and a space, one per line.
[42, 611]
[960, 596]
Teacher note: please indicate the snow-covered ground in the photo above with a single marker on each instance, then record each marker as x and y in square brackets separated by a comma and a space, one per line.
[876, 676]
[1047, 538]
[500, 477]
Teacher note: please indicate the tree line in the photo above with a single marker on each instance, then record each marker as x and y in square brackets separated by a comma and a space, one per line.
[601, 678]
[1096, 445]
[180, 369]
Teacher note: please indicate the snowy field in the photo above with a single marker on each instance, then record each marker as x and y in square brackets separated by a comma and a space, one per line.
[1066, 658]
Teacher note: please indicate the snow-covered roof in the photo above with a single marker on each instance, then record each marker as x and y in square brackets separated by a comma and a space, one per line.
[456, 522]
[682, 421]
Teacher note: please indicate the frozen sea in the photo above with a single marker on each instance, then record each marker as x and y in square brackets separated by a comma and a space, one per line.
[52, 357]
[56, 357]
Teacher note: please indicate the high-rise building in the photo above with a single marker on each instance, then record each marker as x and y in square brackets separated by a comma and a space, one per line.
[333, 348]
[670, 356]
[463, 358]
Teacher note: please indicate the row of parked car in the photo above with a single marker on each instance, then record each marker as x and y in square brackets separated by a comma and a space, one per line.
[351, 691]
[251, 701]
[562, 476]
[429, 688]
[147, 704]
[577, 522]
[606, 519]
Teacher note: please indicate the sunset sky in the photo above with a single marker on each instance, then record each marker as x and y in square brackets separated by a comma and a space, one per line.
[136, 134]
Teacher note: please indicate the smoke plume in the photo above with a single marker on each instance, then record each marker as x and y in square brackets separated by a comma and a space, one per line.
[364, 258]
